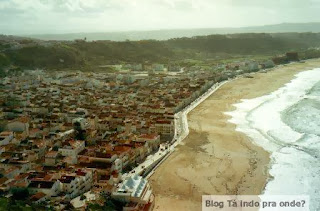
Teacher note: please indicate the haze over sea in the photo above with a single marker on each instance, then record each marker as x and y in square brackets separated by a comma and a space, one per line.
[287, 124]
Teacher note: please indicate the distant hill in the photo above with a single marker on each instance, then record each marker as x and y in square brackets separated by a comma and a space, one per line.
[169, 34]
[11, 38]
[82, 54]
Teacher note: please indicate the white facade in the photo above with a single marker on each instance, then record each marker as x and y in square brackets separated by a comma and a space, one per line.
[134, 189]
[118, 165]
[166, 128]
[73, 149]
[77, 183]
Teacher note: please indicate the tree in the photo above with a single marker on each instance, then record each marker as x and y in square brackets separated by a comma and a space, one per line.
[55, 148]
[19, 193]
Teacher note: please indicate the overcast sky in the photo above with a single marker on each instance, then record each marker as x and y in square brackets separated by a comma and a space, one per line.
[66, 16]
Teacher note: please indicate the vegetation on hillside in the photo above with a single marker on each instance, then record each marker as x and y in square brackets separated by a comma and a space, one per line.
[82, 54]
[102, 52]
[45, 57]
[236, 44]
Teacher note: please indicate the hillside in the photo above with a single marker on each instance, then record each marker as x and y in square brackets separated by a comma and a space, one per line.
[245, 43]
[80, 54]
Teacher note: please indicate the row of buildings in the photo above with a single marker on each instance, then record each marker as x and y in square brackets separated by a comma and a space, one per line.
[70, 136]
[64, 134]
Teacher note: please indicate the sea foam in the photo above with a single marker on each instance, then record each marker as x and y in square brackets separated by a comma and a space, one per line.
[287, 124]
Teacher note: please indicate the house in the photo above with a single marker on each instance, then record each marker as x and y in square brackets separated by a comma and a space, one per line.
[72, 148]
[141, 151]
[153, 140]
[20, 181]
[164, 127]
[11, 172]
[39, 198]
[75, 184]
[51, 158]
[100, 158]
[15, 161]
[48, 187]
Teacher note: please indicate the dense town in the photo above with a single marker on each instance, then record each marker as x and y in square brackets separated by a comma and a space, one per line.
[137, 105]
[71, 139]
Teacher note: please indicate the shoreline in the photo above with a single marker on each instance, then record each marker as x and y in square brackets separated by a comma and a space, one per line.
[289, 132]
[215, 158]
[182, 118]
[155, 160]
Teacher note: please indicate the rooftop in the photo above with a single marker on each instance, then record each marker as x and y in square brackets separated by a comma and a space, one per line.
[133, 185]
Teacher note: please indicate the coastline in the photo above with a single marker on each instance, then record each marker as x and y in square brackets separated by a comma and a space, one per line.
[215, 158]
[290, 132]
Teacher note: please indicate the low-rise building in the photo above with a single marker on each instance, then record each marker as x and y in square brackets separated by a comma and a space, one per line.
[164, 127]
[71, 149]
[50, 188]
[51, 158]
[153, 140]
[135, 190]
[75, 184]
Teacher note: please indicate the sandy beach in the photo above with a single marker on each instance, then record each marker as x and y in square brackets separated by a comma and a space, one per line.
[215, 159]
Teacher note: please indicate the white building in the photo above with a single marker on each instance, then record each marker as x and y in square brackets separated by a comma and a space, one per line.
[51, 158]
[72, 149]
[163, 127]
[75, 184]
[118, 165]
[134, 189]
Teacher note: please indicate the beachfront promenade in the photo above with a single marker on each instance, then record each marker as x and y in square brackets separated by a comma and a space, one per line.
[148, 167]
[152, 162]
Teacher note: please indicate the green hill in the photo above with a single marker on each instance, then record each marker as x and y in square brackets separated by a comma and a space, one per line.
[80, 53]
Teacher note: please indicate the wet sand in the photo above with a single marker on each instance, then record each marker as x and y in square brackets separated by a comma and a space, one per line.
[215, 159]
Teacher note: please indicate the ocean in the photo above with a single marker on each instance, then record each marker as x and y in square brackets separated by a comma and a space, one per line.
[287, 124]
